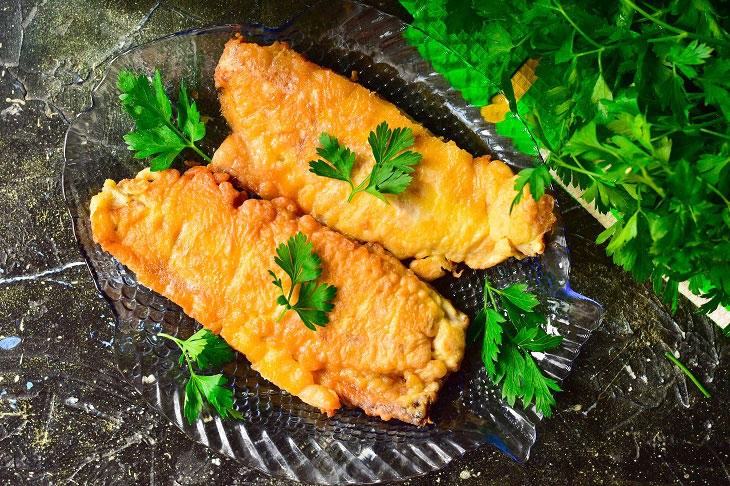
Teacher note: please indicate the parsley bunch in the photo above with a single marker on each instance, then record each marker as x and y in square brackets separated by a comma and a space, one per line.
[206, 349]
[302, 265]
[155, 133]
[631, 105]
[390, 174]
[506, 345]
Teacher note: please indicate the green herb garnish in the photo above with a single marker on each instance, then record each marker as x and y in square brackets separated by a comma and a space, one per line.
[390, 174]
[631, 104]
[687, 372]
[506, 345]
[205, 349]
[156, 134]
[302, 265]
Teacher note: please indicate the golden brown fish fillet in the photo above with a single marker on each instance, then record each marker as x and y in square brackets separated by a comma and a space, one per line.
[391, 339]
[456, 209]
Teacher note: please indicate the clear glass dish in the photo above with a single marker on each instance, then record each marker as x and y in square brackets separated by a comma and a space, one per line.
[281, 435]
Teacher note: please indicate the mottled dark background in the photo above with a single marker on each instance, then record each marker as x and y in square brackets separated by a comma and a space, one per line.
[626, 414]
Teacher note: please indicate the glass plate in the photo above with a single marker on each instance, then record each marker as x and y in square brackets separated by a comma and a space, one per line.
[281, 435]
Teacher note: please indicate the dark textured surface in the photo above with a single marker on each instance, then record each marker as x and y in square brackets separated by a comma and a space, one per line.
[65, 415]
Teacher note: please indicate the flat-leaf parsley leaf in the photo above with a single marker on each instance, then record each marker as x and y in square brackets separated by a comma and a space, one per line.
[156, 134]
[506, 345]
[630, 104]
[206, 349]
[393, 163]
[302, 266]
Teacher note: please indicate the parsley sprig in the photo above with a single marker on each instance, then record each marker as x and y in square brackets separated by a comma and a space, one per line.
[631, 105]
[205, 349]
[393, 163]
[302, 265]
[156, 134]
[507, 343]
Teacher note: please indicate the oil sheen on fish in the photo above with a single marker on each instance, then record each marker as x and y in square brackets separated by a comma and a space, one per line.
[456, 209]
[391, 339]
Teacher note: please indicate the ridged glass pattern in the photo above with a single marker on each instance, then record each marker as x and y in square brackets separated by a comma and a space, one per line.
[281, 435]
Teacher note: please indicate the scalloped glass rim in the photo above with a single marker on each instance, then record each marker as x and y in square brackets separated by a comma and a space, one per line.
[282, 436]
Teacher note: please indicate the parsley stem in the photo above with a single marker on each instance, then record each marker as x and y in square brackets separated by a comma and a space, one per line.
[671, 28]
[360, 187]
[171, 338]
[489, 289]
[187, 140]
[650, 182]
[594, 51]
[354, 191]
[190, 365]
[182, 349]
[668, 37]
[600, 64]
[575, 26]
[592, 175]
[643, 37]
[710, 132]
[682, 367]
[719, 193]
[629, 41]
[691, 126]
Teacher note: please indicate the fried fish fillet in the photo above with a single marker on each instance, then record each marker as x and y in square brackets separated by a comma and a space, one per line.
[391, 339]
[456, 209]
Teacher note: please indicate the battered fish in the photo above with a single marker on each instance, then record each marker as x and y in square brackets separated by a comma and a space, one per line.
[456, 209]
[391, 339]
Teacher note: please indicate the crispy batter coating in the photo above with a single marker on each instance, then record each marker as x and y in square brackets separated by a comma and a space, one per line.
[456, 209]
[391, 340]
